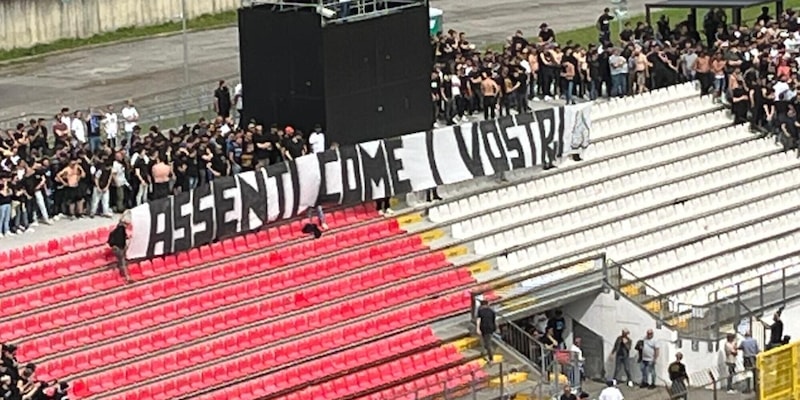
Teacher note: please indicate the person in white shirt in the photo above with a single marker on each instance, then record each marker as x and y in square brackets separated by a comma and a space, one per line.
[111, 126]
[238, 102]
[576, 372]
[317, 140]
[611, 392]
[121, 185]
[78, 128]
[131, 118]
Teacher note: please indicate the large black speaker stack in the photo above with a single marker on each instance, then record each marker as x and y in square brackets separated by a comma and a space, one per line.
[361, 79]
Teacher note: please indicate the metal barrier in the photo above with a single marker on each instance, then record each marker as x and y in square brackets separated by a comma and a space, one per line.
[779, 373]
[741, 302]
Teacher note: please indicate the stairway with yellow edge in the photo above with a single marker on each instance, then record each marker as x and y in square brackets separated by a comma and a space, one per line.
[507, 369]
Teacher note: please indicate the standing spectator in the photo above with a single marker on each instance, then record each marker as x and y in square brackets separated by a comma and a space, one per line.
[70, 177]
[679, 379]
[576, 372]
[649, 354]
[750, 350]
[604, 26]
[568, 75]
[238, 102]
[558, 324]
[546, 35]
[131, 118]
[162, 173]
[316, 140]
[119, 171]
[621, 353]
[140, 163]
[5, 206]
[93, 124]
[731, 351]
[118, 241]
[619, 73]
[486, 324]
[102, 185]
[222, 100]
[490, 90]
[111, 126]
[78, 128]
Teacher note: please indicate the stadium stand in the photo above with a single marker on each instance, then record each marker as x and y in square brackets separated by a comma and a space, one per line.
[668, 183]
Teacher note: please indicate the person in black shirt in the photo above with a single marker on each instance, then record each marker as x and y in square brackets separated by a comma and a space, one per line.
[222, 100]
[567, 395]
[558, 324]
[604, 26]
[776, 331]
[486, 327]
[679, 378]
[626, 35]
[118, 241]
[546, 34]
[101, 191]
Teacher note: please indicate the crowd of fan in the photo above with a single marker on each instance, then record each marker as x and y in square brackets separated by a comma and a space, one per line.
[752, 68]
[18, 382]
[95, 163]
[85, 164]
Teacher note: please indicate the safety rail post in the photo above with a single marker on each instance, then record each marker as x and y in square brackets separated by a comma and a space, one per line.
[713, 385]
[783, 285]
[502, 381]
[760, 292]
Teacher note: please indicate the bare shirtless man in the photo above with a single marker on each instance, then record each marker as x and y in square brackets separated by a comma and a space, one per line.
[70, 177]
[162, 173]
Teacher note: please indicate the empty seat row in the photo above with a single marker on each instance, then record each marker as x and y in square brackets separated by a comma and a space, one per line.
[611, 188]
[54, 248]
[162, 388]
[196, 328]
[395, 371]
[433, 386]
[203, 300]
[649, 137]
[662, 196]
[14, 279]
[652, 116]
[576, 178]
[623, 105]
[645, 236]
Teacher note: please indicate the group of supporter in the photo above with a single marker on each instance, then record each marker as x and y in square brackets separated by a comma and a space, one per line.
[95, 163]
[751, 67]
[18, 382]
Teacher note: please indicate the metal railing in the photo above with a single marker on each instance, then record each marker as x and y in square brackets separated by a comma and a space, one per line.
[741, 303]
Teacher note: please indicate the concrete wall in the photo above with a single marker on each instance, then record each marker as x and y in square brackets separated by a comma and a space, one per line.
[25, 23]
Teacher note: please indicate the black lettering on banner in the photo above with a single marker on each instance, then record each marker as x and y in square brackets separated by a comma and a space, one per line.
[527, 120]
[376, 177]
[223, 205]
[547, 129]
[493, 145]
[295, 185]
[513, 144]
[437, 177]
[351, 175]
[399, 186]
[160, 227]
[560, 137]
[278, 171]
[253, 200]
[203, 215]
[329, 192]
[182, 222]
[471, 154]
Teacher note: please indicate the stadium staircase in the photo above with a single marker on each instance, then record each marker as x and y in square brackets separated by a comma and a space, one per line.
[378, 307]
